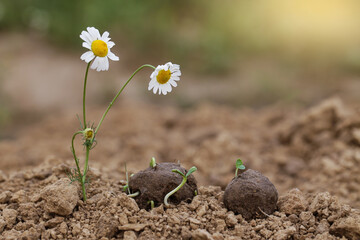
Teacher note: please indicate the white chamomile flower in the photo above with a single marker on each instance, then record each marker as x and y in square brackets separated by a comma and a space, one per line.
[164, 78]
[99, 47]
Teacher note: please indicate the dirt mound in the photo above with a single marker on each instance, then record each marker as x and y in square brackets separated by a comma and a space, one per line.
[109, 213]
[323, 148]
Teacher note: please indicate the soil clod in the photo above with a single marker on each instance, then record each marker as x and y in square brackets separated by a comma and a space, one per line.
[251, 194]
[60, 197]
[154, 183]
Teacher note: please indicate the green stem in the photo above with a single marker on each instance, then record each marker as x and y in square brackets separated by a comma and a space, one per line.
[152, 204]
[174, 191]
[82, 176]
[73, 151]
[134, 194]
[84, 93]
[127, 179]
[117, 95]
[83, 179]
[236, 172]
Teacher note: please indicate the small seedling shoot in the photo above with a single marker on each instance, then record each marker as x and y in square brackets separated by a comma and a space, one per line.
[152, 204]
[152, 162]
[239, 165]
[185, 177]
[126, 187]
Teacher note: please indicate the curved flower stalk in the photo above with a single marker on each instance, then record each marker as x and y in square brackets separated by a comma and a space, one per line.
[163, 79]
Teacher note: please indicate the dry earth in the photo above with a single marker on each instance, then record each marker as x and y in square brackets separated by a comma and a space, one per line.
[315, 150]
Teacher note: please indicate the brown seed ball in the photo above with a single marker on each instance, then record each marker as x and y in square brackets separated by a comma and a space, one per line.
[250, 192]
[155, 183]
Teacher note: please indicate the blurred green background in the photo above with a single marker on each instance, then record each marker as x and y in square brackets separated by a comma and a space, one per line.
[242, 53]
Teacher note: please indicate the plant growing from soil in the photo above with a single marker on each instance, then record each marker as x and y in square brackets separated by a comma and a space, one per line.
[185, 177]
[239, 165]
[159, 180]
[250, 194]
[163, 78]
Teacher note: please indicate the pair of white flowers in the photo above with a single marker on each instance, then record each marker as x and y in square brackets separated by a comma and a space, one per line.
[163, 78]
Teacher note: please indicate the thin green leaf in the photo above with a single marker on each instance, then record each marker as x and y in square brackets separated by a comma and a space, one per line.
[191, 170]
[242, 167]
[81, 126]
[178, 171]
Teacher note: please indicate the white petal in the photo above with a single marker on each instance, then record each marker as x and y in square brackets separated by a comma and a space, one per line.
[155, 89]
[176, 75]
[168, 87]
[153, 74]
[88, 56]
[175, 78]
[94, 32]
[105, 36]
[151, 84]
[110, 44]
[95, 64]
[86, 45]
[106, 62]
[112, 56]
[173, 83]
[103, 64]
[176, 72]
[86, 37]
[150, 87]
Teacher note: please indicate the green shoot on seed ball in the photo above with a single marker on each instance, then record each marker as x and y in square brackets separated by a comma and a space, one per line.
[152, 204]
[153, 162]
[239, 165]
[185, 177]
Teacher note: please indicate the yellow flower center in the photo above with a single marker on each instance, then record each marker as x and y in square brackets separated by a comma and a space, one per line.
[88, 134]
[163, 76]
[99, 48]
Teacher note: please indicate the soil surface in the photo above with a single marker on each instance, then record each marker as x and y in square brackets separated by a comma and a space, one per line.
[311, 155]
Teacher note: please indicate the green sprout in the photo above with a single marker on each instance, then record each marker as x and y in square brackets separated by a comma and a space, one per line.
[152, 204]
[152, 162]
[134, 194]
[239, 165]
[126, 187]
[185, 177]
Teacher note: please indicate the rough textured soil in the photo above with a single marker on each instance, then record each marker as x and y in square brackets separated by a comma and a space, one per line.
[315, 150]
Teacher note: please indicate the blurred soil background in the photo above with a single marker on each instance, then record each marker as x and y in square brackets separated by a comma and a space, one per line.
[253, 73]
